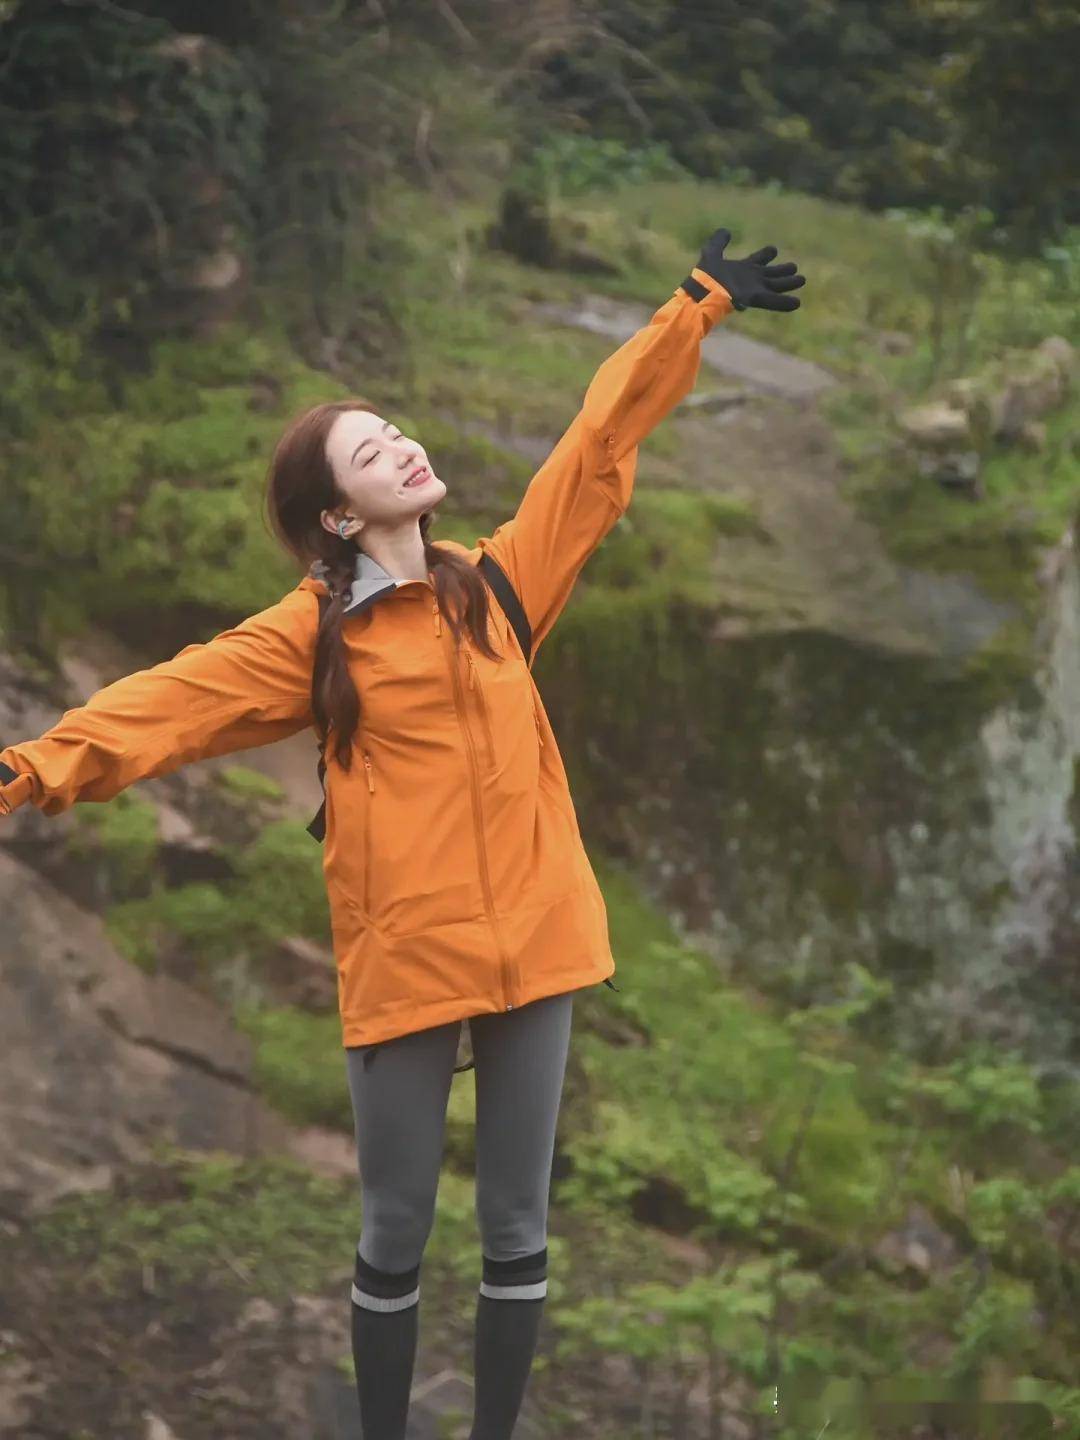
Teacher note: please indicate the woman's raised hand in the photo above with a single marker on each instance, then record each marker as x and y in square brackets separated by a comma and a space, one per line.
[752, 281]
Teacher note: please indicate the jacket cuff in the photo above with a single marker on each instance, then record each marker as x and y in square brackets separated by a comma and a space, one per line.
[707, 291]
[15, 788]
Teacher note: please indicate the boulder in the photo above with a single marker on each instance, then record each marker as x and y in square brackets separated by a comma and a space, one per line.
[299, 972]
[1062, 353]
[196, 52]
[102, 1060]
[936, 425]
[951, 432]
[218, 271]
[1032, 384]
[894, 342]
[955, 470]
[945, 442]
[713, 402]
[918, 1243]
[1032, 436]
[981, 402]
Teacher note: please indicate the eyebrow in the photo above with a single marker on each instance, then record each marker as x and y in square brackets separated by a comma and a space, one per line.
[385, 425]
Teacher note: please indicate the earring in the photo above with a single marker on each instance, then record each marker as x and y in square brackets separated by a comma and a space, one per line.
[343, 525]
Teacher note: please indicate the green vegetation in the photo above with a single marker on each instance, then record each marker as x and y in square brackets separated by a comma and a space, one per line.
[275, 889]
[171, 462]
[123, 834]
[816, 1144]
[299, 1064]
[784, 1150]
[269, 1225]
[248, 784]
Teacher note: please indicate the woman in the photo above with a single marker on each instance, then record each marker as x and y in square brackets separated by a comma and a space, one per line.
[459, 887]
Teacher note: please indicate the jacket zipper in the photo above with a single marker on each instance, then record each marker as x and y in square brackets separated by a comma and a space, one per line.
[483, 706]
[485, 878]
[367, 833]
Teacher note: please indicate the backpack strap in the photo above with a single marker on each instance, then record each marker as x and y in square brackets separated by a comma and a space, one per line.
[496, 577]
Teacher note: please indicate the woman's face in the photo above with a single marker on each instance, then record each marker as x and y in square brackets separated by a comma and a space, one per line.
[372, 460]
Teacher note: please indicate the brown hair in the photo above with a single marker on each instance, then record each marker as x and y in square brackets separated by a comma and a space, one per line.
[301, 484]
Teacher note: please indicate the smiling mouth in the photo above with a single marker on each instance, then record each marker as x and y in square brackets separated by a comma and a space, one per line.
[418, 477]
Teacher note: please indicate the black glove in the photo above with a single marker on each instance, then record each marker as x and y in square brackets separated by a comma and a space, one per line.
[751, 281]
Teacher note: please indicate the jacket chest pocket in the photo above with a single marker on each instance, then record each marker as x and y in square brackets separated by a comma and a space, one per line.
[476, 688]
[502, 705]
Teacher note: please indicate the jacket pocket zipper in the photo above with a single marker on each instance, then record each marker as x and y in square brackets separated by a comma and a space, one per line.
[478, 819]
[483, 707]
[367, 833]
[536, 717]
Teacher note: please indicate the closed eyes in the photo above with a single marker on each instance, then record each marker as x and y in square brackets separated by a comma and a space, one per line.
[375, 452]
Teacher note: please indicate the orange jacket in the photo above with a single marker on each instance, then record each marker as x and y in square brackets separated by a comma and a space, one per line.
[457, 879]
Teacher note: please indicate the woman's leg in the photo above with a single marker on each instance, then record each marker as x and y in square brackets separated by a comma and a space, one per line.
[520, 1064]
[399, 1090]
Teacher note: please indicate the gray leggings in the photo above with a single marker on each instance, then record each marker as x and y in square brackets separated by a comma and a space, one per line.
[400, 1089]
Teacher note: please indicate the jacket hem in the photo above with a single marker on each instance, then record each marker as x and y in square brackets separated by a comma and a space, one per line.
[355, 1031]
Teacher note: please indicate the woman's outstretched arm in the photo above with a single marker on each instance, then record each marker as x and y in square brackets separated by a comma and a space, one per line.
[246, 687]
[585, 485]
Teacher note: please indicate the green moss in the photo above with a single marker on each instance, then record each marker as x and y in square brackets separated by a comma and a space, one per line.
[266, 1226]
[1001, 667]
[299, 1064]
[211, 442]
[167, 504]
[204, 916]
[231, 355]
[124, 832]
[280, 882]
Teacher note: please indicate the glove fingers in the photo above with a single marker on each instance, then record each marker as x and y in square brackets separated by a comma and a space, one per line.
[759, 257]
[787, 268]
[766, 300]
[789, 282]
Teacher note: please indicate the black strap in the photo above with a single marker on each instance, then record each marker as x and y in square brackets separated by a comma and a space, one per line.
[508, 599]
[7, 774]
[371, 1053]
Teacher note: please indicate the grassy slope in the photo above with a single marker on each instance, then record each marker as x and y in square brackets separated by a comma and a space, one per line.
[781, 1143]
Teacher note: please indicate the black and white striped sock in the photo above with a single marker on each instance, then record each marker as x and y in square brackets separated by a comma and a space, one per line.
[508, 1309]
[385, 1316]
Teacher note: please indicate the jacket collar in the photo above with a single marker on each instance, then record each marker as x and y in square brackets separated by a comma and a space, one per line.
[370, 582]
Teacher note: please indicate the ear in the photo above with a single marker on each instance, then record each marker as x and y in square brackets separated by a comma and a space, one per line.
[330, 522]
